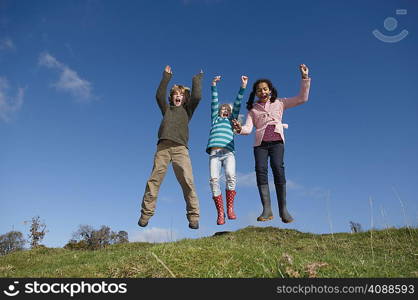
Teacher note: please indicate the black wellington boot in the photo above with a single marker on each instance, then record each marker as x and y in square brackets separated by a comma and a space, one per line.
[281, 198]
[264, 192]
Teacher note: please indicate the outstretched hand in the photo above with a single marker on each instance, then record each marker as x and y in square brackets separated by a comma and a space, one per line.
[198, 75]
[237, 126]
[216, 79]
[168, 69]
[244, 81]
[304, 71]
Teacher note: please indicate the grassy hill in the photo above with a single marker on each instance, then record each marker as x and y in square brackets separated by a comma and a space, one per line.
[266, 252]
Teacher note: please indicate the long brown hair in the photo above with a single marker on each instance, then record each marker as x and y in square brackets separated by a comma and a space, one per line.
[273, 91]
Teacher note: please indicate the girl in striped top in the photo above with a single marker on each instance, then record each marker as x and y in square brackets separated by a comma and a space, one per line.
[221, 149]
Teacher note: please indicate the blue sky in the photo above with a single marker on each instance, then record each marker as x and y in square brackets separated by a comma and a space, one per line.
[79, 121]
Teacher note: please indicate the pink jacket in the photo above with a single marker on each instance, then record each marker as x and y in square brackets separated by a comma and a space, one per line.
[272, 113]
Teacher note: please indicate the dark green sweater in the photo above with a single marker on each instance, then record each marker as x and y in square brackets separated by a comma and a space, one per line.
[175, 123]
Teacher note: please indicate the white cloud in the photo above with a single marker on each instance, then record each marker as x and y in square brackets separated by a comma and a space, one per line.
[155, 235]
[7, 44]
[69, 80]
[248, 179]
[8, 104]
[293, 185]
[316, 192]
[47, 60]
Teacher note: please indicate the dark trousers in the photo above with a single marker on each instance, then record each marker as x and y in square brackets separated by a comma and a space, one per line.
[274, 150]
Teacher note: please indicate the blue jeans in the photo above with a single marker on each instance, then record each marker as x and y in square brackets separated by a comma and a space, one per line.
[274, 150]
[218, 159]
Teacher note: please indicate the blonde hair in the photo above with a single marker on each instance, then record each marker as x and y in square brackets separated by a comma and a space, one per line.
[182, 89]
[227, 106]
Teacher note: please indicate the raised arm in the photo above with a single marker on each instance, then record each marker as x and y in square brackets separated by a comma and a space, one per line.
[214, 107]
[196, 94]
[161, 95]
[237, 102]
[304, 89]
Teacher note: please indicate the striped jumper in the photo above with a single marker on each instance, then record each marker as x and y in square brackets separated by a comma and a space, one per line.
[221, 133]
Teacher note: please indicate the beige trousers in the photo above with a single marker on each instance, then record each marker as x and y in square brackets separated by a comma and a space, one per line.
[171, 152]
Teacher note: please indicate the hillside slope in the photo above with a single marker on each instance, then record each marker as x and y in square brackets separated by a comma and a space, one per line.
[250, 252]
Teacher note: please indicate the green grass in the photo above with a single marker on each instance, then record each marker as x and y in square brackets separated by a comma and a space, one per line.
[263, 252]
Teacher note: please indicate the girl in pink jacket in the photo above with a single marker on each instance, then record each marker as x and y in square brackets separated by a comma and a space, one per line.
[266, 115]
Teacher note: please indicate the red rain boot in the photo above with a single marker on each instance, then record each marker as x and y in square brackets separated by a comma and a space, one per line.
[219, 203]
[230, 195]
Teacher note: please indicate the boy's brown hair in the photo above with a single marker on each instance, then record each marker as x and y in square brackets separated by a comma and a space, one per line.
[182, 89]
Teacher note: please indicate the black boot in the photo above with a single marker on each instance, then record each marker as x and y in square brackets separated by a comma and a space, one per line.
[281, 198]
[143, 220]
[265, 201]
